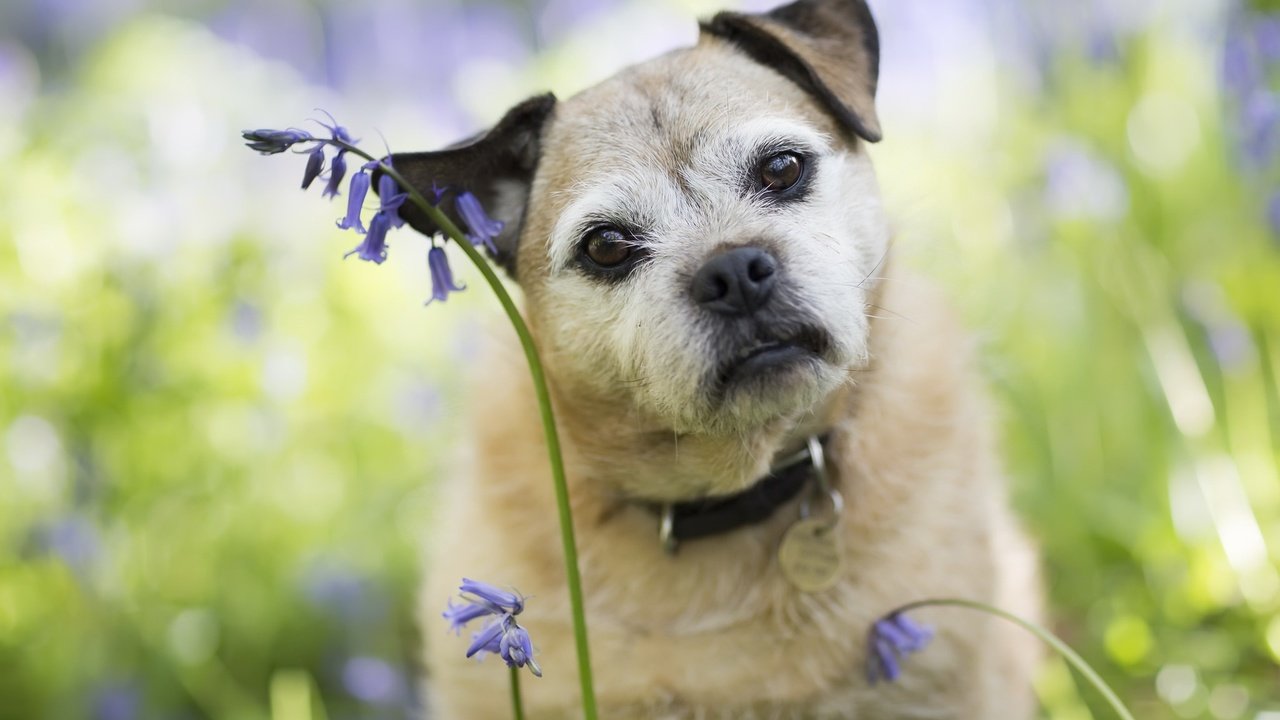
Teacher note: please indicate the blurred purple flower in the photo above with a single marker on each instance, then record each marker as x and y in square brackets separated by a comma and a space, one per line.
[373, 680]
[891, 639]
[356, 193]
[558, 18]
[1081, 184]
[374, 247]
[270, 142]
[481, 229]
[441, 276]
[344, 594]
[315, 165]
[337, 171]
[73, 539]
[246, 321]
[1266, 37]
[1260, 126]
[391, 198]
[1239, 71]
[1231, 345]
[116, 702]
[1208, 306]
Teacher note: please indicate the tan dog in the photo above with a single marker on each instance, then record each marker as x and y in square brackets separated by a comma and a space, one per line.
[701, 245]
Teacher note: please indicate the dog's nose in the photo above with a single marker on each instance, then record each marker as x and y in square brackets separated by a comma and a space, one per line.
[735, 282]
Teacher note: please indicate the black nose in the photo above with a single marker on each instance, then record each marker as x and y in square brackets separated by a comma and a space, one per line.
[736, 282]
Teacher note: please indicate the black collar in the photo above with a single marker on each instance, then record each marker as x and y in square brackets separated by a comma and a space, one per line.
[715, 515]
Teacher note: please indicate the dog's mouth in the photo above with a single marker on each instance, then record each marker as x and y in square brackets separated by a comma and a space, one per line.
[768, 356]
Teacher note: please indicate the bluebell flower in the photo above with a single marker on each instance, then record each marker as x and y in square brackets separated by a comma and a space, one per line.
[337, 171]
[356, 193]
[374, 247]
[505, 638]
[459, 615]
[892, 638]
[499, 600]
[392, 199]
[337, 132]
[315, 164]
[270, 142]
[481, 229]
[502, 636]
[441, 276]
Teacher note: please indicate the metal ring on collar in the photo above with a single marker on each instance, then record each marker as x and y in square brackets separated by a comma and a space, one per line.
[666, 531]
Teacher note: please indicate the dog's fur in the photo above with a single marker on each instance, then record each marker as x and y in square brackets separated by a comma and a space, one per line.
[636, 368]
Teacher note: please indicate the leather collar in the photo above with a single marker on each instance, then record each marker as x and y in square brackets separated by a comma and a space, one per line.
[712, 516]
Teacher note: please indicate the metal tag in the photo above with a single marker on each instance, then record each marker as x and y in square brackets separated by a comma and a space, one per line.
[810, 555]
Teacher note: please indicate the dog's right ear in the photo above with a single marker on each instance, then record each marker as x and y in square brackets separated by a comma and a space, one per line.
[496, 166]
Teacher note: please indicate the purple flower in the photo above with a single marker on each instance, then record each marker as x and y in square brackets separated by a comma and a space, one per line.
[441, 276]
[506, 639]
[337, 170]
[356, 193]
[1266, 36]
[503, 636]
[337, 132]
[892, 638]
[459, 615]
[373, 680]
[391, 199]
[315, 164]
[374, 247]
[116, 701]
[481, 229]
[500, 600]
[270, 142]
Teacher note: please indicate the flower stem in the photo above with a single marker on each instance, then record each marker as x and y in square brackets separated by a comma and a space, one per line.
[517, 707]
[543, 393]
[1049, 638]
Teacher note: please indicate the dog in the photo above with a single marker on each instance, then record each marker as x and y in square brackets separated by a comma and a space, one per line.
[705, 266]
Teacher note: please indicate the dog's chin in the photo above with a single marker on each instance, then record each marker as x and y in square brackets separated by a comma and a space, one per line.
[769, 378]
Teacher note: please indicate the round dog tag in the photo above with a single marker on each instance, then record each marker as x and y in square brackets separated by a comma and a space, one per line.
[810, 555]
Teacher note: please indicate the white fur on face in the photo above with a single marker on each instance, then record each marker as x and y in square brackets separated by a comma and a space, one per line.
[646, 334]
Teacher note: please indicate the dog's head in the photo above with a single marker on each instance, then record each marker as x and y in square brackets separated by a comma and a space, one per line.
[695, 236]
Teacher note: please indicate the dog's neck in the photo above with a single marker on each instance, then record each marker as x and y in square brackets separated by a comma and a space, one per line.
[623, 460]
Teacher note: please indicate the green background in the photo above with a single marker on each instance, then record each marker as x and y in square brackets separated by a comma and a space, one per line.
[218, 439]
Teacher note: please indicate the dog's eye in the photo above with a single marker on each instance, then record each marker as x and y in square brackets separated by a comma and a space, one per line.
[608, 247]
[779, 172]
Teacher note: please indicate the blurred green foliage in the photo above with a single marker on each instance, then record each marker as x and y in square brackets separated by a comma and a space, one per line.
[219, 439]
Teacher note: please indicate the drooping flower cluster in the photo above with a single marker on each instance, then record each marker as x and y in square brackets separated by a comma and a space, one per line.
[481, 230]
[502, 636]
[891, 639]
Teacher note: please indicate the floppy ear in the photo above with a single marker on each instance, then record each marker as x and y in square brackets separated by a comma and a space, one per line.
[496, 166]
[828, 47]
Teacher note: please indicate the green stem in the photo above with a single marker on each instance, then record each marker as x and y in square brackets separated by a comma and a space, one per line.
[572, 576]
[517, 707]
[1052, 640]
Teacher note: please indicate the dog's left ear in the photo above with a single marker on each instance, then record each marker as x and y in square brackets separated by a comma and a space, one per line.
[497, 166]
[828, 47]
